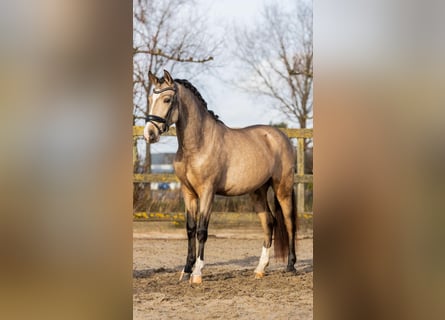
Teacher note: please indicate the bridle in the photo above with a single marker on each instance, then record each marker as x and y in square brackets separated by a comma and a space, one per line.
[151, 117]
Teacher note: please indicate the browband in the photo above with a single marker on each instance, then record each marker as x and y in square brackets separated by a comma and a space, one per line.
[162, 90]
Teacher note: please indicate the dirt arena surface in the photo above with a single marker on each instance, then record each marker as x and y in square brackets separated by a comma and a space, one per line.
[229, 290]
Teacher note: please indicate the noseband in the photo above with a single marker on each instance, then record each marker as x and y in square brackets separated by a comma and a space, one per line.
[151, 117]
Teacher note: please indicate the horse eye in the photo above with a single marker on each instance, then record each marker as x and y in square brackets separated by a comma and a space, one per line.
[167, 100]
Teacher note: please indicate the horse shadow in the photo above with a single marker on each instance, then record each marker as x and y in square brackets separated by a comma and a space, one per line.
[148, 273]
[244, 262]
[303, 267]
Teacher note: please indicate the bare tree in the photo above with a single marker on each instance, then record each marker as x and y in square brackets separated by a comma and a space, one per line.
[276, 54]
[167, 34]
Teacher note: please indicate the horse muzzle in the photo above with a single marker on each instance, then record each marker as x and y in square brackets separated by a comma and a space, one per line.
[151, 133]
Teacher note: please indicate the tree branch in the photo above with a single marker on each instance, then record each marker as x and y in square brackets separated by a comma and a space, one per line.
[177, 58]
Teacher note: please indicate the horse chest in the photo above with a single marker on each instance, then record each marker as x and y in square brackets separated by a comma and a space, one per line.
[195, 172]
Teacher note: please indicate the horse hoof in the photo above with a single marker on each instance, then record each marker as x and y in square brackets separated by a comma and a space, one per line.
[184, 276]
[195, 279]
[291, 269]
[259, 275]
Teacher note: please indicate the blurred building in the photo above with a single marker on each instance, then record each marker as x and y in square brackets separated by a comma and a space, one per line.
[163, 163]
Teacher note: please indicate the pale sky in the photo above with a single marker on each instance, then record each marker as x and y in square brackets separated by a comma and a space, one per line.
[234, 107]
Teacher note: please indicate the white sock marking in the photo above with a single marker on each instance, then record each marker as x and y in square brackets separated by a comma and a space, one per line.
[199, 264]
[264, 260]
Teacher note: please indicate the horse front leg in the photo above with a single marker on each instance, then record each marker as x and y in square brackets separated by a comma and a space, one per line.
[205, 208]
[191, 204]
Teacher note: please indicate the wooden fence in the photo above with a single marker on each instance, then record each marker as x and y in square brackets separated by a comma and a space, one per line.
[300, 178]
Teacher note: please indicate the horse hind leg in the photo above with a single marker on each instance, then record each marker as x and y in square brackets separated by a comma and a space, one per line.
[261, 206]
[285, 202]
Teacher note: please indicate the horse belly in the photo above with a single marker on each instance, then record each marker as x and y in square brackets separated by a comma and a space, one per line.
[242, 181]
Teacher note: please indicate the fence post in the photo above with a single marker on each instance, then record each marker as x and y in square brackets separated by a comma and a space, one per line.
[135, 153]
[300, 172]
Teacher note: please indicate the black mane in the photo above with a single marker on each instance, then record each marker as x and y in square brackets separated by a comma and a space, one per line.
[195, 91]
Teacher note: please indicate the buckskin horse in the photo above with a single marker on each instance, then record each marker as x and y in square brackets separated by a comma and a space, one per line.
[215, 159]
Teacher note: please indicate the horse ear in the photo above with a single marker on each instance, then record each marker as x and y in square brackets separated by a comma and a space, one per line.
[153, 79]
[168, 78]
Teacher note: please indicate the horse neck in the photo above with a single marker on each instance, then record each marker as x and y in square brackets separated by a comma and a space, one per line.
[193, 120]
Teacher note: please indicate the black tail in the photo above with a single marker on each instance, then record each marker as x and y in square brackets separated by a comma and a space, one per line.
[281, 238]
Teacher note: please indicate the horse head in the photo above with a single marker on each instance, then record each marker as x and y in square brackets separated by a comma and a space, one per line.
[162, 108]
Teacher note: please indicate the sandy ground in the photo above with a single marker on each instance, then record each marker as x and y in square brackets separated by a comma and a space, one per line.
[229, 290]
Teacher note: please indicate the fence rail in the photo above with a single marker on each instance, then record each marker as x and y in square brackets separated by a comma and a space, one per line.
[300, 177]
